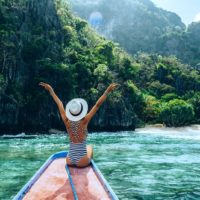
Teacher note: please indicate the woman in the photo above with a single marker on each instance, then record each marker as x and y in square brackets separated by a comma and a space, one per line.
[76, 121]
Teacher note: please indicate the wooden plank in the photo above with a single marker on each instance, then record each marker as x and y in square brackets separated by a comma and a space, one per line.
[53, 184]
[87, 184]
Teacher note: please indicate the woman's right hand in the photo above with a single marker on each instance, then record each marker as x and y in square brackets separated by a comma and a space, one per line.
[111, 87]
[46, 86]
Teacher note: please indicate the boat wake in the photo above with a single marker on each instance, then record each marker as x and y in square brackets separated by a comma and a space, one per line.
[18, 136]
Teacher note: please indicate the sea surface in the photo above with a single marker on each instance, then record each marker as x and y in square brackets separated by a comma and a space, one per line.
[145, 164]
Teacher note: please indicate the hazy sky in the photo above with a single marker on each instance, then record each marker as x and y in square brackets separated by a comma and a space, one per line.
[188, 10]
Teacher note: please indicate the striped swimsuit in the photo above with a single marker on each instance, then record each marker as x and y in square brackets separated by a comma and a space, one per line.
[76, 150]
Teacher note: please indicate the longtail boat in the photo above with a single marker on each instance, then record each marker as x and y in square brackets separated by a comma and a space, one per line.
[55, 180]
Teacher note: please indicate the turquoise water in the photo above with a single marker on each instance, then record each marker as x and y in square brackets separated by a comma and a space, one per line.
[146, 164]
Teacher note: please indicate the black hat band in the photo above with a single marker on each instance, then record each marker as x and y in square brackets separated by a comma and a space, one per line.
[79, 112]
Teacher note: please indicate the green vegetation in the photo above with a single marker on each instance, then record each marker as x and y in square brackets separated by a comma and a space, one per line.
[138, 25]
[168, 85]
[176, 113]
[47, 43]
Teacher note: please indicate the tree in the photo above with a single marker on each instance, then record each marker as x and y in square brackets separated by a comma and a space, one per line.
[152, 109]
[177, 113]
[195, 101]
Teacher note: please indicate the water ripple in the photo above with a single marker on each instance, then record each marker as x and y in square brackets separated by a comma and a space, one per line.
[141, 165]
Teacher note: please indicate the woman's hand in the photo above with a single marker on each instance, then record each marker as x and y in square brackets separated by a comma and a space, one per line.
[46, 86]
[92, 112]
[111, 87]
[56, 99]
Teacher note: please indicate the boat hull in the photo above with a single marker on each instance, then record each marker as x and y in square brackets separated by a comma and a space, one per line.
[53, 182]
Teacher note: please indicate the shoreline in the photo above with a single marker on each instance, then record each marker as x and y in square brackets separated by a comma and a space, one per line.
[149, 127]
[161, 127]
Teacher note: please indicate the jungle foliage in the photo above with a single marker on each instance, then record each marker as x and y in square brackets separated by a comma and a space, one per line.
[140, 26]
[48, 43]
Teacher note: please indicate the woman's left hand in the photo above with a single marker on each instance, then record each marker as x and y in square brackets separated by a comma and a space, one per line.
[111, 87]
[46, 86]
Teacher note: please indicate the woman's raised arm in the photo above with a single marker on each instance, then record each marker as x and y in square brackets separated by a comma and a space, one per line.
[56, 99]
[92, 112]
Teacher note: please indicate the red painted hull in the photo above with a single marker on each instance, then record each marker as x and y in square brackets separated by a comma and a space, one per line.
[54, 184]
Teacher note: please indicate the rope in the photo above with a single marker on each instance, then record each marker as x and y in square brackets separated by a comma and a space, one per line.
[71, 183]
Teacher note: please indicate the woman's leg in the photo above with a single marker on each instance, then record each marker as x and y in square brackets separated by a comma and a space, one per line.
[89, 151]
[85, 160]
[68, 161]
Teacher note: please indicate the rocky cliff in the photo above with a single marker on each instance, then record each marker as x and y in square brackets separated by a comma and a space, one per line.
[42, 41]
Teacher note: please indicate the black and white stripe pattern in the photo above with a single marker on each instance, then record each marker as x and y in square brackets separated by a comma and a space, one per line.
[76, 150]
[74, 127]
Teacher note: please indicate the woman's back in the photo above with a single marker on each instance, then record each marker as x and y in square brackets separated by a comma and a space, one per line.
[77, 131]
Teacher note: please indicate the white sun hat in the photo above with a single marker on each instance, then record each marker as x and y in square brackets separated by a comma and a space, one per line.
[76, 109]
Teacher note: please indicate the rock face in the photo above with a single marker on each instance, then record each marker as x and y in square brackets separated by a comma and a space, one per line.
[24, 20]
[114, 117]
[32, 49]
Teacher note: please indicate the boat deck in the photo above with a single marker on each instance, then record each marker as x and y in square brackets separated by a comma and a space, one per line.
[54, 184]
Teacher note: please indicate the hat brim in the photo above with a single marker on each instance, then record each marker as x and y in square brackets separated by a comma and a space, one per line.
[82, 114]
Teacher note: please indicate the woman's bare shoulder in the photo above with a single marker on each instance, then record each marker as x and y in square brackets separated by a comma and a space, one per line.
[67, 124]
[84, 121]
